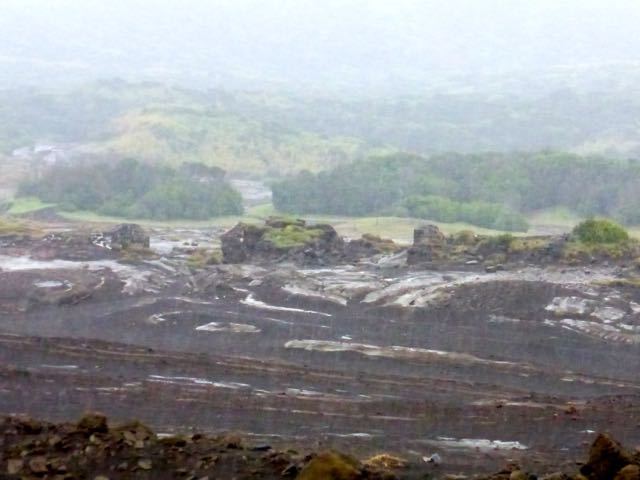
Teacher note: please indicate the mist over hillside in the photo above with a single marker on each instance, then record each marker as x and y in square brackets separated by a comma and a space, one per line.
[277, 134]
[355, 46]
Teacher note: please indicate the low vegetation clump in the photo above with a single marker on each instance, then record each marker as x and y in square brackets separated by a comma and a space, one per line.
[9, 226]
[596, 238]
[502, 242]
[202, 257]
[465, 237]
[292, 236]
[134, 189]
[595, 231]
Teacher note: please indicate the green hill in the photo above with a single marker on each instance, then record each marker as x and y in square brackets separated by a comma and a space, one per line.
[155, 123]
[268, 133]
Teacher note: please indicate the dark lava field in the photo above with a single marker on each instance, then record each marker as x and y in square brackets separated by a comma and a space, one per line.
[520, 365]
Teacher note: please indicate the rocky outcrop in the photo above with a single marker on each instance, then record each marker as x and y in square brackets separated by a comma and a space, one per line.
[283, 239]
[607, 459]
[428, 245]
[126, 235]
[432, 249]
[369, 245]
[428, 235]
[239, 243]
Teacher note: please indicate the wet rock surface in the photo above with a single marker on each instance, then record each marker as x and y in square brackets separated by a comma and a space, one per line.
[457, 371]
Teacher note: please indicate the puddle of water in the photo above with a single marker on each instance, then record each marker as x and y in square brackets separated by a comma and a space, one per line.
[158, 318]
[196, 381]
[252, 302]
[51, 284]
[477, 444]
[307, 292]
[228, 327]
[394, 352]
[601, 330]
[60, 367]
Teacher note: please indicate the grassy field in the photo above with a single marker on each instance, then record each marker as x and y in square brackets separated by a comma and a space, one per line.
[11, 226]
[400, 229]
[396, 228]
[23, 205]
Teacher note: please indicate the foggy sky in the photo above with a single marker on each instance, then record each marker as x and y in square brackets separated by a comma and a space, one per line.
[336, 43]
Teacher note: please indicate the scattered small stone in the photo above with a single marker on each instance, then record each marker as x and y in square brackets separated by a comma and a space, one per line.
[630, 472]
[145, 464]
[386, 461]
[38, 465]
[14, 466]
[93, 422]
[436, 459]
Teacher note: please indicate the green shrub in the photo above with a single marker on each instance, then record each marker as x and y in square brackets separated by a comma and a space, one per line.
[132, 189]
[600, 231]
[202, 257]
[465, 237]
[503, 241]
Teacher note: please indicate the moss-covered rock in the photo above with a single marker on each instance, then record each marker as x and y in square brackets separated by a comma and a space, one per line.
[282, 239]
[292, 236]
[284, 221]
[93, 422]
[630, 472]
[606, 458]
[331, 465]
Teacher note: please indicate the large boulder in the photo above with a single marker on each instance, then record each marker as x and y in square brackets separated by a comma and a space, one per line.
[239, 243]
[281, 239]
[127, 235]
[428, 235]
[369, 245]
[331, 466]
[428, 245]
[606, 458]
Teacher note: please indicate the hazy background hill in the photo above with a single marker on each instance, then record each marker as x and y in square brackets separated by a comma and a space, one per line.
[263, 133]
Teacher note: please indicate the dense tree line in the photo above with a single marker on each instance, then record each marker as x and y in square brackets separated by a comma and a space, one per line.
[491, 190]
[133, 189]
